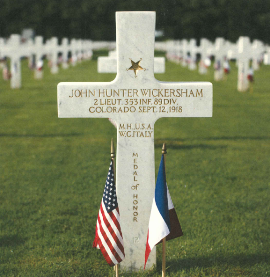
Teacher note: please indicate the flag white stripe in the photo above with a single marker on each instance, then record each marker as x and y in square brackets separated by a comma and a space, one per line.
[97, 246]
[112, 223]
[108, 250]
[110, 237]
[117, 215]
[158, 228]
[170, 203]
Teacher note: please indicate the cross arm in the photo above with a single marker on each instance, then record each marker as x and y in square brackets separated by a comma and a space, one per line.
[114, 100]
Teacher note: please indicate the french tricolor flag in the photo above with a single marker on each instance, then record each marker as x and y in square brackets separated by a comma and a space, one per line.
[163, 218]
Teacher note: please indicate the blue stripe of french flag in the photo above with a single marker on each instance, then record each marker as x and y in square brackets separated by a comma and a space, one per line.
[163, 218]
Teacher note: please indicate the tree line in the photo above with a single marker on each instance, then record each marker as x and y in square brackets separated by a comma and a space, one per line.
[95, 19]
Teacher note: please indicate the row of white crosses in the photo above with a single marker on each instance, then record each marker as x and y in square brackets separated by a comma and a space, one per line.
[243, 51]
[179, 51]
[14, 49]
[266, 57]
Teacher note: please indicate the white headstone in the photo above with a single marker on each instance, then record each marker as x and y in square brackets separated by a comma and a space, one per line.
[135, 100]
[184, 52]
[257, 50]
[53, 50]
[232, 51]
[113, 53]
[65, 50]
[15, 55]
[192, 51]
[74, 54]
[266, 58]
[2, 45]
[219, 53]
[244, 56]
[30, 53]
[39, 52]
[204, 46]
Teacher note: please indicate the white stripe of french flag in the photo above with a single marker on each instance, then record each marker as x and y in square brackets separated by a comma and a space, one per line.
[163, 218]
[159, 223]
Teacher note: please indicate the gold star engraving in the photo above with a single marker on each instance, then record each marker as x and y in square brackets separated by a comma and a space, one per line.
[136, 67]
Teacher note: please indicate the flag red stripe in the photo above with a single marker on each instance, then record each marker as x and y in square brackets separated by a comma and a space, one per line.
[104, 251]
[108, 235]
[96, 240]
[110, 229]
[147, 250]
[116, 222]
[107, 240]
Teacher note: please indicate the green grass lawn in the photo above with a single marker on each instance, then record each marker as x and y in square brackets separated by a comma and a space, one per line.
[53, 173]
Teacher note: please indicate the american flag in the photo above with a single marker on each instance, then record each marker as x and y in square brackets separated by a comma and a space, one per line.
[109, 237]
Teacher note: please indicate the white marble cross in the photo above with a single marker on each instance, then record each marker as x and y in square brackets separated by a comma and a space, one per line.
[65, 49]
[184, 52]
[135, 102]
[257, 50]
[219, 53]
[74, 51]
[39, 52]
[244, 56]
[205, 44]
[192, 51]
[53, 49]
[14, 51]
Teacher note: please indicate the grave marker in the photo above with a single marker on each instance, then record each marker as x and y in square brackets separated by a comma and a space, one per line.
[244, 55]
[39, 52]
[53, 50]
[30, 52]
[135, 103]
[65, 49]
[257, 49]
[204, 46]
[13, 50]
[74, 56]
[192, 51]
[184, 52]
[219, 53]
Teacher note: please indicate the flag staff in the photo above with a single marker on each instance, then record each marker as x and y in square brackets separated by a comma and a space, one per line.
[164, 152]
[116, 268]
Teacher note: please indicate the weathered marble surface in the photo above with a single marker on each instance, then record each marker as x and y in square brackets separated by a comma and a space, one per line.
[15, 55]
[39, 52]
[109, 64]
[135, 103]
[244, 56]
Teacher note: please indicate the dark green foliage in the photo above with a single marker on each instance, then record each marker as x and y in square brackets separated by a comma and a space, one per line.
[95, 19]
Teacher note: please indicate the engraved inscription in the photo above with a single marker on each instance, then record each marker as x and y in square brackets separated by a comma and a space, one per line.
[136, 240]
[135, 187]
[131, 100]
[137, 130]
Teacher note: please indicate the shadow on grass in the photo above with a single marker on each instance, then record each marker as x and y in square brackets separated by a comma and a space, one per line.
[41, 135]
[238, 138]
[179, 144]
[179, 141]
[12, 240]
[214, 260]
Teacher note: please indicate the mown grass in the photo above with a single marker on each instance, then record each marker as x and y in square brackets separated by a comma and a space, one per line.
[53, 173]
